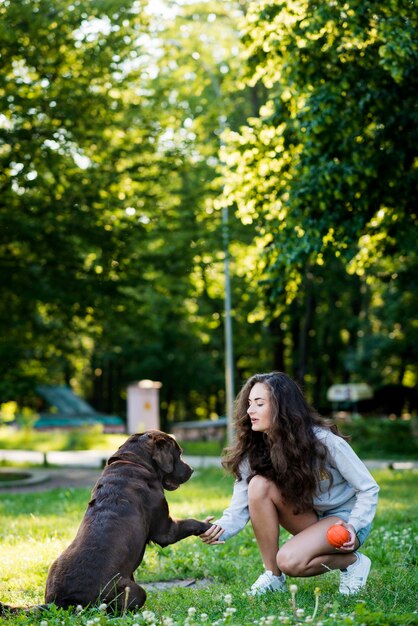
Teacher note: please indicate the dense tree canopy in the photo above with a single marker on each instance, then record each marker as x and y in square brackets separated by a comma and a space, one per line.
[77, 143]
[112, 251]
[327, 174]
[112, 184]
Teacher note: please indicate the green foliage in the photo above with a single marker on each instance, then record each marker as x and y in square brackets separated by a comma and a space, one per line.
[67, 115]
[8, 412]
[111, 251]
[333, 139]
[376, 438]
[326, 176]
[25, 416]
[111, 206]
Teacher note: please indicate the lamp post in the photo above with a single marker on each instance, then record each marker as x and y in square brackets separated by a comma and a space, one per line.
[229, 351]
[229, 346]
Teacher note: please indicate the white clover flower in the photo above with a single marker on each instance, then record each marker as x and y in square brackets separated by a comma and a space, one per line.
[168, 621]
[300, 612]
[191, 611]
[43, 623]
[149, 617]
[78, 608]
[203, 617]
[228, 599]
[293, 588]
[270, 619]
[103, 607]
[90, 622]
[229, 611]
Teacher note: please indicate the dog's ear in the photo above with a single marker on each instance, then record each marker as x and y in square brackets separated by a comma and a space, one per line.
[162, 454]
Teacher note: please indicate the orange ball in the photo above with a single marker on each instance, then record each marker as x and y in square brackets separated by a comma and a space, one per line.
[337, 535]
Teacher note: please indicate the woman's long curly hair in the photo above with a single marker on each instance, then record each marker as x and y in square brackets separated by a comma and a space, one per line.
[289, 454]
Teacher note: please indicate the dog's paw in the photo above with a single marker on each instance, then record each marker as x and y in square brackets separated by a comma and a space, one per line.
[204, 526]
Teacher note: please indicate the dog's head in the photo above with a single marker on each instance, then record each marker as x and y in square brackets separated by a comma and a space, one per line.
[164, 453]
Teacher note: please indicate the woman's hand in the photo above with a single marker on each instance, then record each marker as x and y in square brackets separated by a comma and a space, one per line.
[213, 534]
[352, 543]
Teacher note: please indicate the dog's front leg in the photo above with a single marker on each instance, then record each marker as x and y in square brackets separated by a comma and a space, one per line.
[175, 530]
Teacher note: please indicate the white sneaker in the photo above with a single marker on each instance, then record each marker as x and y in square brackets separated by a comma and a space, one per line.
[354, 578]
[268, 582]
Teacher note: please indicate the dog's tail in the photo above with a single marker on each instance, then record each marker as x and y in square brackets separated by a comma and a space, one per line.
[6, 609]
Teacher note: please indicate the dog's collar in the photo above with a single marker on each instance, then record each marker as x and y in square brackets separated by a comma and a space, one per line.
[126, 462]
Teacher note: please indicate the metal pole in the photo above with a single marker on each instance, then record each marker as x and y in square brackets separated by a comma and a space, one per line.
[229, 351]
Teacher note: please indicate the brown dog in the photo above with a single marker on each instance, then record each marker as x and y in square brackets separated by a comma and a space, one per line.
[127, 510]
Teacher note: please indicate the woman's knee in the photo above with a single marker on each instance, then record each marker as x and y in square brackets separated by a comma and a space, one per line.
[290, 562]
[261, 488]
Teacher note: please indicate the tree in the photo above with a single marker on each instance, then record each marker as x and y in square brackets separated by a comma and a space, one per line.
[328, 168]
[195, 85]
[112, 257]
[69, 125]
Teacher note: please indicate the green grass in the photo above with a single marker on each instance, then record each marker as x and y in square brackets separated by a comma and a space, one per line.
[203, 448]
[35, 528]
[87, 438]
[59, 439]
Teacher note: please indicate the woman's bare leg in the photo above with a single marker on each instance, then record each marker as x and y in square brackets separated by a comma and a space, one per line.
[307, 553]
[267, 513]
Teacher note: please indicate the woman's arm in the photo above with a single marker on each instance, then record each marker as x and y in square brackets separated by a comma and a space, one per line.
[358, 476]
[235, 517]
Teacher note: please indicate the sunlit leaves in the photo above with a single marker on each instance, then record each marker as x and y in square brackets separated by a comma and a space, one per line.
[332, 124]
[65, 111]
[328, 168]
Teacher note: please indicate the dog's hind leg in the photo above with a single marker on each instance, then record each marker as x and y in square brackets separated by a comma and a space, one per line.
[125, 595]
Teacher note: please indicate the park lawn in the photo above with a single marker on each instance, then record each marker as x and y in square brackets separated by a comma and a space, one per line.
[91, 437]
[36, 527]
